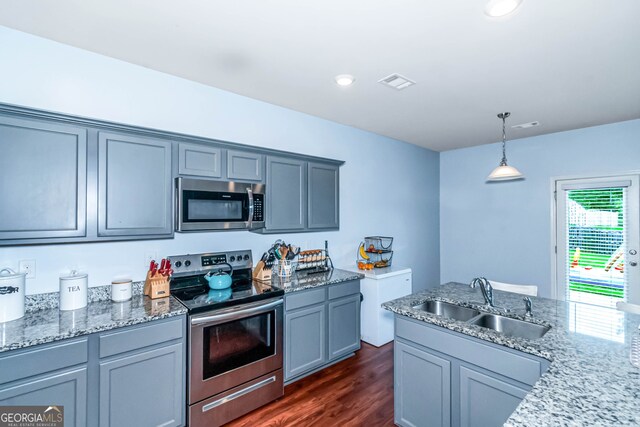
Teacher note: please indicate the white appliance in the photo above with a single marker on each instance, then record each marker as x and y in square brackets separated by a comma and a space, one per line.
[11, 295]
[381, 285]
[73, 291]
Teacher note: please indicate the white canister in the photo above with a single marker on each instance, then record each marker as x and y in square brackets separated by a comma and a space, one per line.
[73, 291]
[11, 295]
[120, 290]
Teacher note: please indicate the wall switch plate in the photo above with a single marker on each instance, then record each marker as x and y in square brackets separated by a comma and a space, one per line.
[28, 266]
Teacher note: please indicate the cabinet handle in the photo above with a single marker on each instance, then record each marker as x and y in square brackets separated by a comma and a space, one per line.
[237, 394]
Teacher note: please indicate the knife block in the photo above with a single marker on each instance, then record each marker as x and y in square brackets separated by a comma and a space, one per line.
[156, 286]
[262, 273]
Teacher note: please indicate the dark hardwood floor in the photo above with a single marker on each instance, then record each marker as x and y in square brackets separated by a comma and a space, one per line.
[355, 392]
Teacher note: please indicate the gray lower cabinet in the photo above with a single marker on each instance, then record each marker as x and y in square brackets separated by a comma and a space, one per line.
[322, 325]
[43, 180]
[486, 400]
[344, 326]
[134, 186]
[143, 389]
[416, 405]
[123, 377]
[306, 330]
[65, 389]
[324, 196]
[444, 378]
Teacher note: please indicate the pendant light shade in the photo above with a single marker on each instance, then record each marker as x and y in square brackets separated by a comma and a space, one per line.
[504, 172]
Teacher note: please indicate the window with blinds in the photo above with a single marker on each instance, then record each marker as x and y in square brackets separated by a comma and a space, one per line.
[595, 245]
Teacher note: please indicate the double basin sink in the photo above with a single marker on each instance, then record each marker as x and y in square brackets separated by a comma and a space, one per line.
[502, 324]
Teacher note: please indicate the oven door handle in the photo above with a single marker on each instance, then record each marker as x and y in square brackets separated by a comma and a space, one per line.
[238, 313]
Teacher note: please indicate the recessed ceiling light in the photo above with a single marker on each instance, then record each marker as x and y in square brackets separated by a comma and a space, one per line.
[345, 80]
[497, 8]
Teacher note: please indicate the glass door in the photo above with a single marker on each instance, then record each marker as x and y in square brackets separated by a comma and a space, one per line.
[597, 240]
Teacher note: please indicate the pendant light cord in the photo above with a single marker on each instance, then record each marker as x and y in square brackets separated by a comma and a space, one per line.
[504, 116]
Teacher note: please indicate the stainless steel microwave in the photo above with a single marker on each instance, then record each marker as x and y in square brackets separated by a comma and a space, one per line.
[218, 205]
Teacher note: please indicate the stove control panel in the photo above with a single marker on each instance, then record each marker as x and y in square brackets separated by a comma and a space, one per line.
[195, 263]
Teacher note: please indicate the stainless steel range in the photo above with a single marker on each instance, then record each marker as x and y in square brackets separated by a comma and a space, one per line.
[235, 337]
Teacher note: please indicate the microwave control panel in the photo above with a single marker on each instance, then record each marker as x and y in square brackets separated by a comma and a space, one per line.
[258, 207]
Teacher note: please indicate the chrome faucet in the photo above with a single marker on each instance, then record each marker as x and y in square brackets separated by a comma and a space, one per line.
[527, 307]
[485, 287]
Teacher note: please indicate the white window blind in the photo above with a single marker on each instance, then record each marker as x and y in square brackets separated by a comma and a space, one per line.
[596, 244]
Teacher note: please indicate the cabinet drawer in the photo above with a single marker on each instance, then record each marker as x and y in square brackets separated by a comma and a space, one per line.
[520, 368]
[45, 358]
[304, 298]
[140, 336]
[344, 289]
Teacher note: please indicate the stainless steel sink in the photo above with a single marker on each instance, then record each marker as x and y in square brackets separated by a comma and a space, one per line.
[444, 309]
[510, 327]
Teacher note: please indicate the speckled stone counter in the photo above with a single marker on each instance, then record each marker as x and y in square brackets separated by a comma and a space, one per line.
[300, 282]
[590, 382]
[44, 323]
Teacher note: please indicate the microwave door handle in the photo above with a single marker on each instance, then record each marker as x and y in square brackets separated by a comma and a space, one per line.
[250, 220]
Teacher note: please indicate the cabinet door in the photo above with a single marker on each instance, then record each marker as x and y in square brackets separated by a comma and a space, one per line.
[244, 166]
[344, 326]
[324, 194]
[144, 389]
[286, 194]
[422, 388]
[63, 389]
[486, 401]
[134, 186]
[43, 180]
[199, 160]
[305, 336]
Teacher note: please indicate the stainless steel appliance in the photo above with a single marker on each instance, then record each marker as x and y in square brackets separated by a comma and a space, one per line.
[218, 205]
[235, 337]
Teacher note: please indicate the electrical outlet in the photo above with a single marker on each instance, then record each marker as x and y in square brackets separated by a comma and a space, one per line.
[28, 266]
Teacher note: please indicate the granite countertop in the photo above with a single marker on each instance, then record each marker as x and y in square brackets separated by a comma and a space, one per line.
[302, 281]
[44, 323]
[590, 381]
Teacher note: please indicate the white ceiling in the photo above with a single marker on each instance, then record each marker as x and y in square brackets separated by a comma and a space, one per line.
[566, 63]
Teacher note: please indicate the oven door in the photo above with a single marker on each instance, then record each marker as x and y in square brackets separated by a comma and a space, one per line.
[232, 346]
[213, 205]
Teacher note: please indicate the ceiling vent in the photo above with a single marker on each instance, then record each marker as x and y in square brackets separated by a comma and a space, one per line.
[525, 125]
[397, 81]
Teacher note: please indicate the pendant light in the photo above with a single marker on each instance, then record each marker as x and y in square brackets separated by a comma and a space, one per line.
[504, 172]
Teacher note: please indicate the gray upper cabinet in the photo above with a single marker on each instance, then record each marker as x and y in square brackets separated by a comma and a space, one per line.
[199, 160]
[134, 186]
[244, 166]
[286, 194]
[43, 180]
[324, 192]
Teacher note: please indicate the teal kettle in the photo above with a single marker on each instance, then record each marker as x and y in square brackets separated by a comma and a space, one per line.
[220, 279]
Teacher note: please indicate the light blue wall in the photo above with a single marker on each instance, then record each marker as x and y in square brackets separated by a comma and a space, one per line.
[503, 230]
[387, 187]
